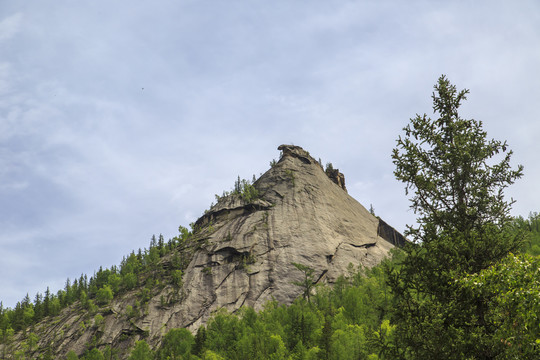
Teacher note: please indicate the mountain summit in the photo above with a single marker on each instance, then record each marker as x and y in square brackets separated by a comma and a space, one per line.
[301, 215]
[247, 249]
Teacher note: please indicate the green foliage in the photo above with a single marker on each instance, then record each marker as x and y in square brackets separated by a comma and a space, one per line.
[457, 178]
[131, 264]
[346, 321]
[249, 193]
[130, 281]
[177, 278]
[82, 327]
[348, 342]
[513, 287]
[94, 354]
[28, 314]
[260, 344]
[531, 227]
[308, 282]
[184, 236]
[54, 306]
[356, 308]
[244, 188]
[104, 295]
[177, 344]
[105, 284]
[110, 353]
[221, 333]
[141, 351]
[98, 320]
[357, 304]
[151, 258]
[383, 340]
[32, 341]
[72, 355]
[91, 307]
[115, 281]
[131, 312]
[457, 193]
[455, 294]
[210, 355]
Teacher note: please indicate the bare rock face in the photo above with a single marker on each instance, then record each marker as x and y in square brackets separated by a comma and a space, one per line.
[337, 177]
[245, 253]
[302, 216]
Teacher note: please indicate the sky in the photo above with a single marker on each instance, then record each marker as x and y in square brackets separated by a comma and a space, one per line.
[122, 119]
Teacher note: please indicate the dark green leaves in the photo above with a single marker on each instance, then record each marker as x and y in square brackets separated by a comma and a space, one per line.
[456, 177]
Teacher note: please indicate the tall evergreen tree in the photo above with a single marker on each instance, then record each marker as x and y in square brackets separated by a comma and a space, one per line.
[457, 178]
[38, 307]
[47, 302]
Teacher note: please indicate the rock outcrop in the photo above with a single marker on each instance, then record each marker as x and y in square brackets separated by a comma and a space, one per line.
[302, 216]
[244, 255]
[337, 177]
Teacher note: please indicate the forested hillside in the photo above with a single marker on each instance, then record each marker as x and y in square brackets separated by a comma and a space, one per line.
[127, 276]
[351, 320]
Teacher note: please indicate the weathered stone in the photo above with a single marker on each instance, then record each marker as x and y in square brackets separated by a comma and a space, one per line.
[337, 177]
[302, 217]
[246, 253]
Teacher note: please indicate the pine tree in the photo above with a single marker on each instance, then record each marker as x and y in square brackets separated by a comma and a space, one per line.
[47, 302]
[457, 178]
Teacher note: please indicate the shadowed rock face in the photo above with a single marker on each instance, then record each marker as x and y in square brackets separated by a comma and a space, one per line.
[245, 253]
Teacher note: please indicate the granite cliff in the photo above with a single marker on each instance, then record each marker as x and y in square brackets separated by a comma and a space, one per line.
[242, 253]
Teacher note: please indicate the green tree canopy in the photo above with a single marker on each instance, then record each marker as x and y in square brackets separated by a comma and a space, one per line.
[72, 355]
[104, 295]
[141, 351]
[513, 285]
[457, 178]
[177, 344]
[94, 354]
[458, 184]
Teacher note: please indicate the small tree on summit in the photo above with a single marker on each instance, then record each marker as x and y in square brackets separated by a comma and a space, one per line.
[464, 226]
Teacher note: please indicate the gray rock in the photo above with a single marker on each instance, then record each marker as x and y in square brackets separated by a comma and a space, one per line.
[302, 216]
[245, 255]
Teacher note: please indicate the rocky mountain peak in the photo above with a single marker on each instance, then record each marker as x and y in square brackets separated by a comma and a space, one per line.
[297, 152]
[242, 253]
[301, 215]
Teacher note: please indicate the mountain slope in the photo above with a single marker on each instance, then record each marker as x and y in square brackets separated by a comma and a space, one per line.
[242, 252]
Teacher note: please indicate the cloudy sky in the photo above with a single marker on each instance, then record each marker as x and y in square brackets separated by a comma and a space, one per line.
[122, 119]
